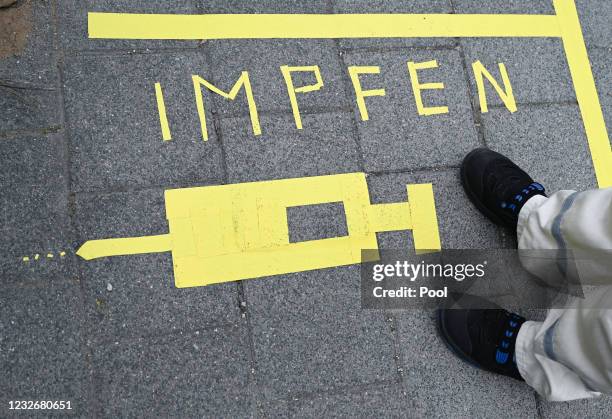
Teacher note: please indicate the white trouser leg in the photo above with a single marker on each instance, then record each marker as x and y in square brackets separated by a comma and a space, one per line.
[569, 355]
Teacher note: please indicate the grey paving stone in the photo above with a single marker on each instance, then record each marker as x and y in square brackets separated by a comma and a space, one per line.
[601, 60]
[504, 6]
[263, 6]
[28, 109]
[591, 408]
[390, 401]
[449, 387]
[133, 296]
[28, 77]
[310, 334]
[116, 139]
[73, 33]
[41, 355]
[393, 6]
[315, 222]
[537, 68]
[596, 21]
[263, 59]
[34, 210]
[461, 225]
[197, 374]
[396, 137]
[547, 141]
[325, 145]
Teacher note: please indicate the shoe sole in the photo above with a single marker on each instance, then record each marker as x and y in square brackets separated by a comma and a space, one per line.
[472, 196]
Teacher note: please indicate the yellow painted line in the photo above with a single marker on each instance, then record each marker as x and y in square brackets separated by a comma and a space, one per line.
[586, 91]
[161, 109]
[129, 246]
[264, 26]
[425, 222]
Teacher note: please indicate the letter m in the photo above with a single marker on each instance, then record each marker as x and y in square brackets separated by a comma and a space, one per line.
[242, 81]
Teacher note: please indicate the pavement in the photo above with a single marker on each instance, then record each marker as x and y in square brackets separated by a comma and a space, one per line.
[81, 157]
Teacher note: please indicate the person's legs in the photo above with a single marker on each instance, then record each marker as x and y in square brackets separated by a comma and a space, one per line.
[578, 227]
[569, 355]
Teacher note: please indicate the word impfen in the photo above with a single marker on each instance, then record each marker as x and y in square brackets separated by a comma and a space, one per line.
[355, 72]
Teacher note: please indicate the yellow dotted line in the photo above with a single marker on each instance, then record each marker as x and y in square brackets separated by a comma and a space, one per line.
[38, 256]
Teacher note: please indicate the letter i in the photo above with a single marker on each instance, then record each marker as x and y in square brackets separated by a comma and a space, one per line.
[161, 109]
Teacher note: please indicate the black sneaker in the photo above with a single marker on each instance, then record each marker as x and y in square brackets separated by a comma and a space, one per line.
[497, 186]
[484, 338]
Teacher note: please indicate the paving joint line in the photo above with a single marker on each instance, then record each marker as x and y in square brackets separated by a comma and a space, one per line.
[86, 350]
[476, 115]
[348, 97]
[418, 170]
[244, 307]
[241, 297]
[14, 134]
[214, 182]
[311, 110]
[215, 117]
[538, 104]
[175, 333]
[338, 390]
[29, 284]
[73, 52]
[396, 48]
[398, 358]
[144, 188]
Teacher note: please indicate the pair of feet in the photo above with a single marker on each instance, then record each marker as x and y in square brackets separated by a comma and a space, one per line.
[486, 338]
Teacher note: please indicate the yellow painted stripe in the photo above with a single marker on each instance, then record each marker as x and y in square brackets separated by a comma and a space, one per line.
[250, 26]
[425, 233]
[161, 109]
[390, 217]
[94, 249]
[586, 91]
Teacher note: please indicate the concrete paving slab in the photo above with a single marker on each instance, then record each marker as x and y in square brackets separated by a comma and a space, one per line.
[28, 72]
[133, 296]
[546, 141]
[461, 225]
[316, 222]
[115, 133]
[590, 408]
[504, 6]
[325, 145]
[41, 354]
[310, 334]
[449, 387]
[393, 6]
[201, 373]
[263, 6]
[601, 62]
[396, 137]
[34, 215]
[596, 21]
[72, 28]
[390, 400]
[263, 59]
[28, 108]
[537, 68]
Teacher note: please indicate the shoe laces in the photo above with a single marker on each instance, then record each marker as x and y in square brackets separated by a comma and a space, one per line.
[509, 189]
